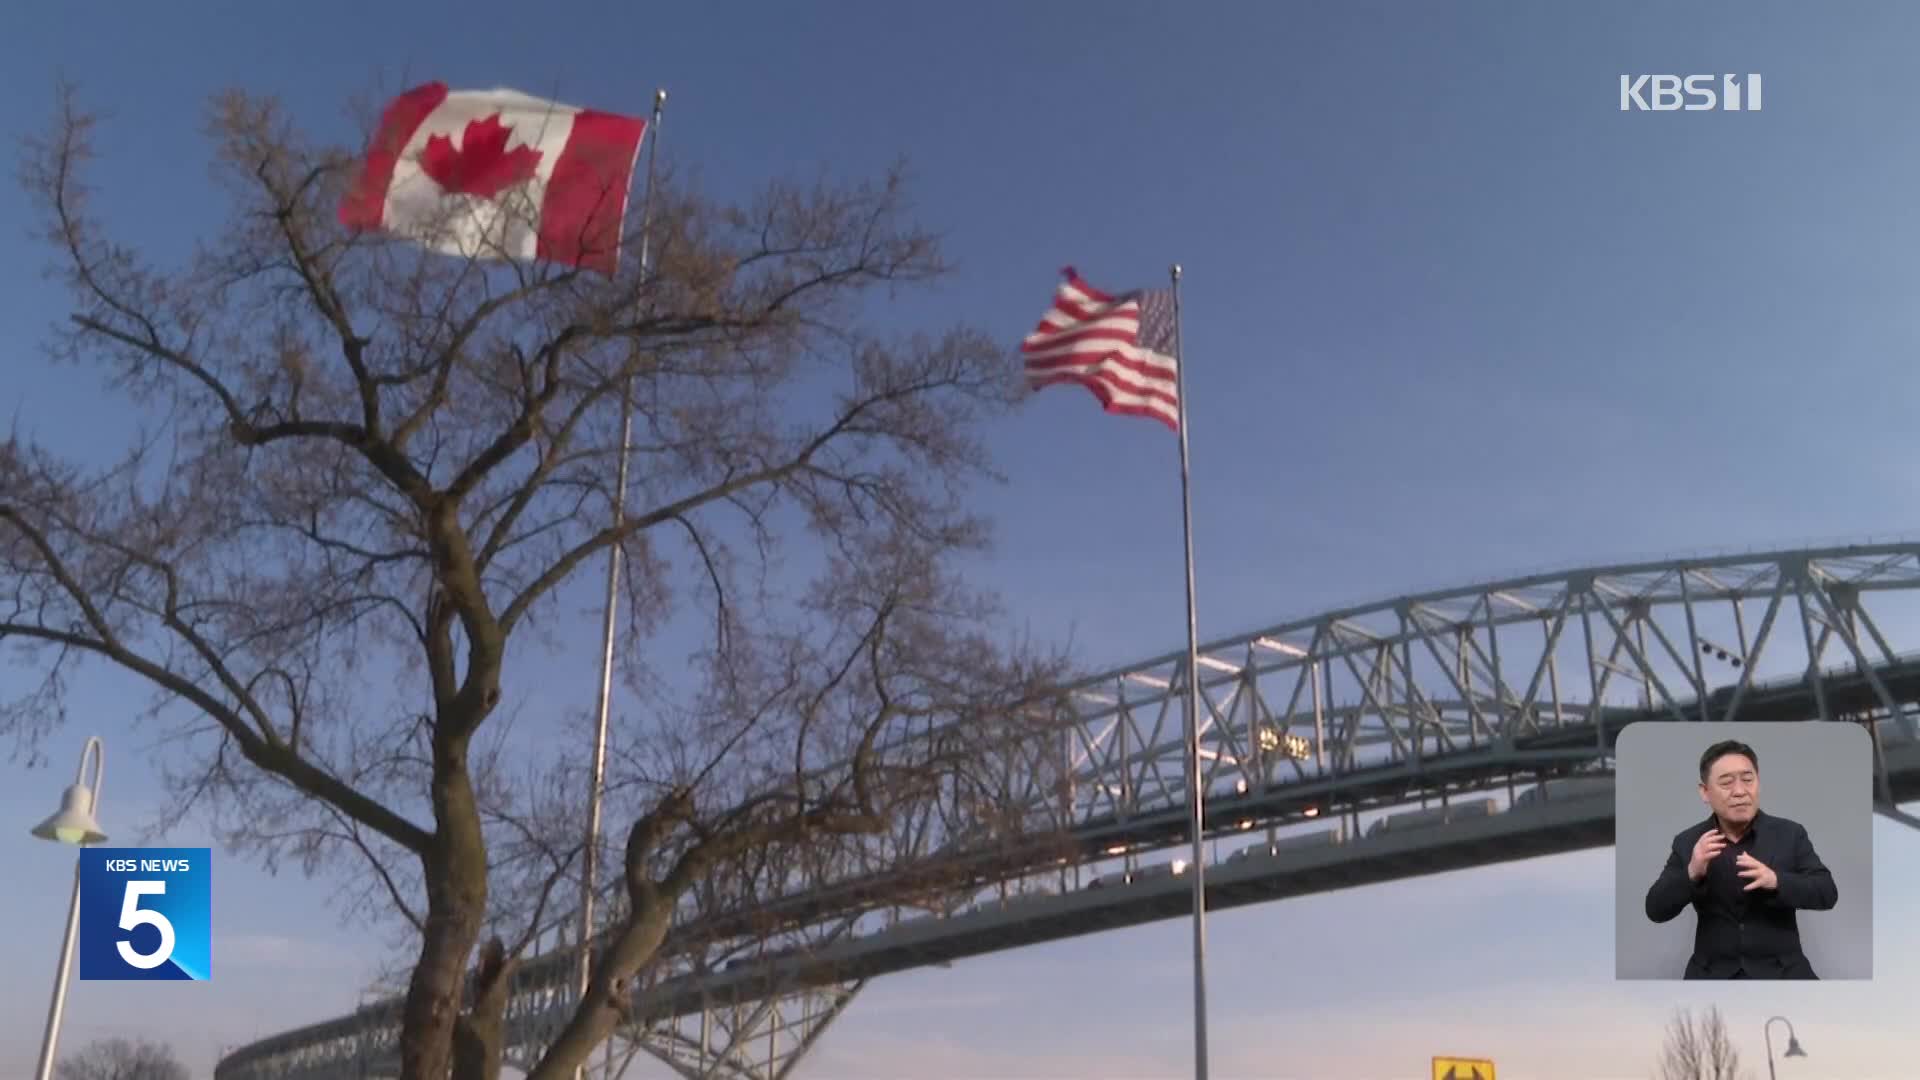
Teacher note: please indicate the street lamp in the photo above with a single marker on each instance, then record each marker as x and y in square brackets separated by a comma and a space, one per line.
[1793, 1044]
[73, 824]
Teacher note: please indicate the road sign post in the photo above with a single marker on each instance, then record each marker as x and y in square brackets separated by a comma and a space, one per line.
[1455, 1068]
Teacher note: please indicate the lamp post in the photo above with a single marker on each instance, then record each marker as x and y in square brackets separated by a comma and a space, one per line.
[1793, 1044]
[73, 824]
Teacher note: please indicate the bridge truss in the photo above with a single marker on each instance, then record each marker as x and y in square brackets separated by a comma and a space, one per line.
[1338, 719]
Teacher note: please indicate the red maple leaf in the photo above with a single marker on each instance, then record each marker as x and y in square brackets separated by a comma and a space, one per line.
[481, 165]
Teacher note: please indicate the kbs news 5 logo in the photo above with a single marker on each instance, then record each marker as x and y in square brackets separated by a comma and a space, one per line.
[146, 913]
[1692, 93]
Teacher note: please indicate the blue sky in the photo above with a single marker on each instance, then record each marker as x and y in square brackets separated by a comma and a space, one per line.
[1450, 315]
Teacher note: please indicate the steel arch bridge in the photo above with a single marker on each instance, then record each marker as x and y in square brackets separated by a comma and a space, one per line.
[1453, 728]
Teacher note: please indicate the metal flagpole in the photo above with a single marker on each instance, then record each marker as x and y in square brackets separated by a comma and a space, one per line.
[591, 861]
[1196, 784]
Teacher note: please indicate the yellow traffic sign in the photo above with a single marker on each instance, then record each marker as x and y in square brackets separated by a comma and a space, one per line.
[1452, 1068]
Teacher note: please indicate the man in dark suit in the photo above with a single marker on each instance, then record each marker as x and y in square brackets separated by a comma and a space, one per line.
[1745, 874]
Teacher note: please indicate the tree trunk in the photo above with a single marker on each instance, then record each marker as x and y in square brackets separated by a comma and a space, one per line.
[479, 1036]
[598, 1014]
[456, 885]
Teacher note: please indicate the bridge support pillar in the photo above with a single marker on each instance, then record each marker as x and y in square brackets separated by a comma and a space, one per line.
[749, 1039]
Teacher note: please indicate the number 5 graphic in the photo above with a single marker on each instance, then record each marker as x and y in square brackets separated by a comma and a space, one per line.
[132, 915]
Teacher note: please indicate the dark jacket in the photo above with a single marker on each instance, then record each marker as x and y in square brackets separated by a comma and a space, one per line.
[1741, 934]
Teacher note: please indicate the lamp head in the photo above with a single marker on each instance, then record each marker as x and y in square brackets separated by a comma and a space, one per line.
[1793, 1048]
[74, 823]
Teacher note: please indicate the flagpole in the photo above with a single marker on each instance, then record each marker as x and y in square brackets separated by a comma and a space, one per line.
[590, 869]
[1196, 789]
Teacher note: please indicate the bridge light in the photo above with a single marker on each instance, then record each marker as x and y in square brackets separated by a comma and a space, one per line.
[1293, 746]
[1179, 866]
[1720, 653]
[1313, 811]
[1245, 825]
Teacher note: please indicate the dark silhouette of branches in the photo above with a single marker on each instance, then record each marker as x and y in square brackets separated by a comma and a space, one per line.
[372, 474]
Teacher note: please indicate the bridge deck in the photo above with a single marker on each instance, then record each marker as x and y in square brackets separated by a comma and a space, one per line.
[1310, 860]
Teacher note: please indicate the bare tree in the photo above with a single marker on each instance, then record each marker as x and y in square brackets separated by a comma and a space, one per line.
[122, 1059]
[369, 477]
[1699, 1049]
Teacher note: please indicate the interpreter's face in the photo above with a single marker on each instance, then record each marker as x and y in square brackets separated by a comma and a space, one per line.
[1732, 788]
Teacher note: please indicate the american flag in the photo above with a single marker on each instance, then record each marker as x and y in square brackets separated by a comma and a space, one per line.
[1121, 348]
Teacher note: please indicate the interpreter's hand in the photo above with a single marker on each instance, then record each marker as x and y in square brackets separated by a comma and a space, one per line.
[1709, 845]
[1756, 873]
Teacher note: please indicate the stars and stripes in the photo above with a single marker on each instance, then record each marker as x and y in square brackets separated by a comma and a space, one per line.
[1125, 350]
[1120, 348]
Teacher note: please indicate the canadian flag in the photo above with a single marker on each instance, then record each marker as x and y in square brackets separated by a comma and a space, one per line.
[498, 174]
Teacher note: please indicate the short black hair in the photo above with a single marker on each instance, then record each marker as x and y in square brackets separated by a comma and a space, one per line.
[1722, 749]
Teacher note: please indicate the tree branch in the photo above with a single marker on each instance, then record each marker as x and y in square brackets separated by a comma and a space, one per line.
[274, 759]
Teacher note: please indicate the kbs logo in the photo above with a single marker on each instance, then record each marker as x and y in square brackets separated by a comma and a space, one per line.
[1691, 93]
[146, 913]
